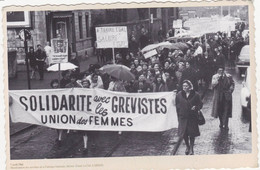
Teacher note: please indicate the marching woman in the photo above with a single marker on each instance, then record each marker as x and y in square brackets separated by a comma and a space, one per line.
[85, 84]
[188, 103]
[55, 84]
[116, 85]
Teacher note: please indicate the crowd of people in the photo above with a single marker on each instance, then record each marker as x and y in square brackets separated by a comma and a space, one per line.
[168, 69]
[38, 60]
[182, 71]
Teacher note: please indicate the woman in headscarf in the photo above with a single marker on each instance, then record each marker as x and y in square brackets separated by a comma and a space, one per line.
[188, 103]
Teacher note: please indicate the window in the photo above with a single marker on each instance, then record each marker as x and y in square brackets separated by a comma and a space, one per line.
[87, 25]
[80, 27]
[61, 30]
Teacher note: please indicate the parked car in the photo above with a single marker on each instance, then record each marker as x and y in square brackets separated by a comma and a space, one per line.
[245, 93]
[243, 59]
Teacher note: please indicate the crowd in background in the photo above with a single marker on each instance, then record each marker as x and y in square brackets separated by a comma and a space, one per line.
[164, 71]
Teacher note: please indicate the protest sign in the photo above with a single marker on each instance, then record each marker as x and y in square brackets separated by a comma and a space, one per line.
[177, 23]
[112, 37]
[150, 53]
[94, 109]
[59, 51]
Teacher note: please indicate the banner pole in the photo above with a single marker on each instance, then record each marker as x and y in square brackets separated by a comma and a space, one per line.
[114, 60]
[206, 42]
[59, 74]
[27, 60]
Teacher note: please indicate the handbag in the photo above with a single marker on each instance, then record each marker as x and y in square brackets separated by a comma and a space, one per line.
[200, 117]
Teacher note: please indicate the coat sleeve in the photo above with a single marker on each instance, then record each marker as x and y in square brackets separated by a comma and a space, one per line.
[199, 103]
[44, 55]
[177, 103]
[232, 86]
[154, 87]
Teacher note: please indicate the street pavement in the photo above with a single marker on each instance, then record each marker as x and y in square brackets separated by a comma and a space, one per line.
[213, 140]
[40, 143]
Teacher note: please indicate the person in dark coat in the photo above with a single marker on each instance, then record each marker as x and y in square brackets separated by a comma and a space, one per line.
[127, 60]
[160, 35]
[40, 58]
[223, 86]
[133, 45]
[190, 74]
[171, 82]
[207, 68]
[188, 103]
[32, 60]
[65, 79]
[144, 39]
[220, 58]
[167, 68]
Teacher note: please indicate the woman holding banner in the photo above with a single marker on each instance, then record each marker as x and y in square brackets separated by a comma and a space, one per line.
[55, 84]
[85, 84]
[188, 103]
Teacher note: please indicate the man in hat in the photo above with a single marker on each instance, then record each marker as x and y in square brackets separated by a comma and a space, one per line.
[223, 86]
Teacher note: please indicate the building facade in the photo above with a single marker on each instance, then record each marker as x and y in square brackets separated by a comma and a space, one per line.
[78, 26]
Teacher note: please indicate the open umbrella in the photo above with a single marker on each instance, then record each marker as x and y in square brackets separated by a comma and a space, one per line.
[149, 48]
[182, 46]
[63, 67]
[168, 45]
[161, 45]
[118, 71]
[186, 38]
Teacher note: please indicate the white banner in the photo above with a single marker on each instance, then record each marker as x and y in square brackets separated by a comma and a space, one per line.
[200, 26]
[150, 53]
[112, 37]
[94, 109]
[59, 51]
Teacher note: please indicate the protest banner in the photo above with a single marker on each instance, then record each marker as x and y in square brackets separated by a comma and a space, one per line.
[59, 51]
[94, 109]
[201, 26]
[112, 37]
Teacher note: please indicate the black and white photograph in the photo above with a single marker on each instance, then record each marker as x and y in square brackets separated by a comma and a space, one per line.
[130, 82]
